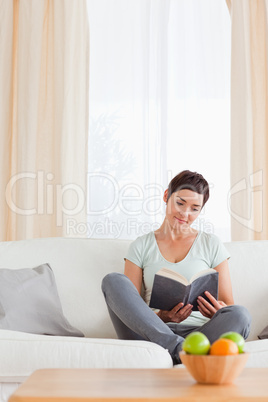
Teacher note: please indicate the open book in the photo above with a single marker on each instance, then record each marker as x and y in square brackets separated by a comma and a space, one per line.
[171, 288]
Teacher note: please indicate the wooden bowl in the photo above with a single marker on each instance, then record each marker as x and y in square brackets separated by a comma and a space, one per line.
[209, 369]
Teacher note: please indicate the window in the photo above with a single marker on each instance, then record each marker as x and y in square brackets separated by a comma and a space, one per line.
[159, 104]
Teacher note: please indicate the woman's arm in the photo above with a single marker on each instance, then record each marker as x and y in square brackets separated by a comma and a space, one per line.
[134, 273]
[225, 293]
[225, 285]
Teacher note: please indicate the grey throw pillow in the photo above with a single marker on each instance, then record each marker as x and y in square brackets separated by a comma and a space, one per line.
[29, 302]
[264, 333]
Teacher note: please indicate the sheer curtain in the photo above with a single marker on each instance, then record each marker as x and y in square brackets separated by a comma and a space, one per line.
[159, 104]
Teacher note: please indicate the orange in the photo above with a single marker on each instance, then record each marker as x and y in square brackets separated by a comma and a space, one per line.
[222, 347]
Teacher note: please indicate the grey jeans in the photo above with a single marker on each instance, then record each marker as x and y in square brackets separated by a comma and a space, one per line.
[133, 319]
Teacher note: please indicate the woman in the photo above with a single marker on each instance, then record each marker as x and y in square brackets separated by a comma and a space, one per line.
[175, 245]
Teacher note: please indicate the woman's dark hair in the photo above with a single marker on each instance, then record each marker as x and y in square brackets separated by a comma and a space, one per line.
[191, 181]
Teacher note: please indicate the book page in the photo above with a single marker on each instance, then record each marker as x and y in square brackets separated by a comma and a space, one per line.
[202, 273]
[169, 273]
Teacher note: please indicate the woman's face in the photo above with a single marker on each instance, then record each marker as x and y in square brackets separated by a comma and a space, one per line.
[183, 207]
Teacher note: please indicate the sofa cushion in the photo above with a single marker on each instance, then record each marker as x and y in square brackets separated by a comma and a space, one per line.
[258, 353]
[29, 302]
[264, 333]
[249, 275]
[79, 265]
[22, 353]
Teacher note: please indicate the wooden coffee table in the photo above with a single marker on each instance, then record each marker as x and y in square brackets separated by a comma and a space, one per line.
[137, 385]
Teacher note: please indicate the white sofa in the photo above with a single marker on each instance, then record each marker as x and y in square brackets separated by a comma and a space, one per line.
[79, 266]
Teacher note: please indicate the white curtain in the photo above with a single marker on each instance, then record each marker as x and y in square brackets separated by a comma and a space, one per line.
[159, 104]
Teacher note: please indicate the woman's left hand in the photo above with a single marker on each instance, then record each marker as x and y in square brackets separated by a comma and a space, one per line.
[209, 309]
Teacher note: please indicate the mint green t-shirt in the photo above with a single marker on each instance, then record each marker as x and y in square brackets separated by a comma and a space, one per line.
[207, 251]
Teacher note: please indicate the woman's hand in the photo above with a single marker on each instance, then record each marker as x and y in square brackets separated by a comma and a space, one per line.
[209, 309]
[178, 314]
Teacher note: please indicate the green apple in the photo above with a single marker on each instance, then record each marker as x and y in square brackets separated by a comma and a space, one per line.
[196, 343]
[235, 337]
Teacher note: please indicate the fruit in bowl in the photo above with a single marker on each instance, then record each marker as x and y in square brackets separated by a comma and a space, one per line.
[221, 363]
[223, 347]
[235, 337]
[196, 343]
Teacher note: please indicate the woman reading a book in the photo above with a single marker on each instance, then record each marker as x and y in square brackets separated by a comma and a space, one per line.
[179, 247]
